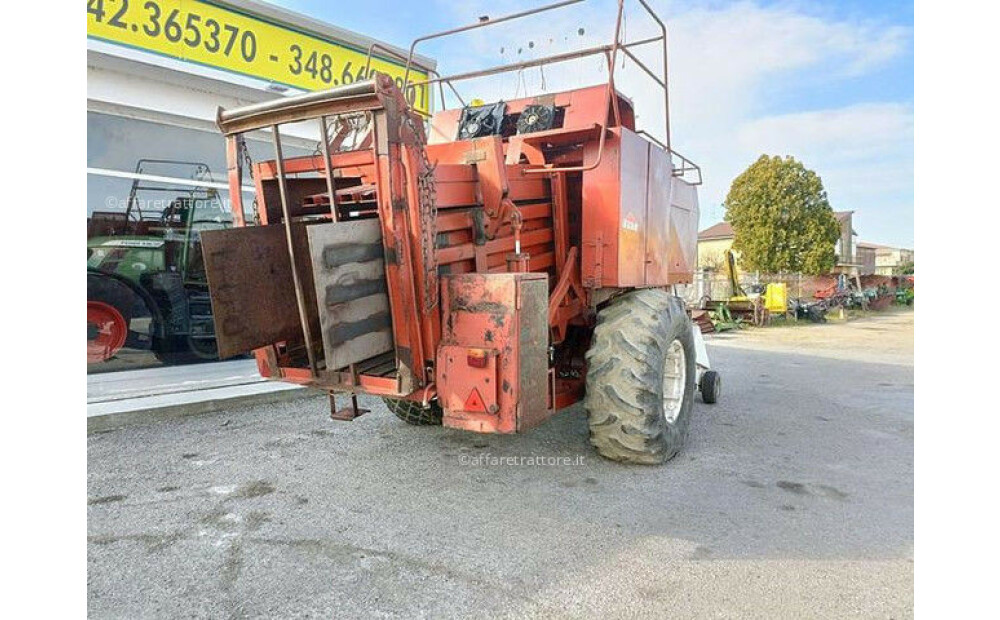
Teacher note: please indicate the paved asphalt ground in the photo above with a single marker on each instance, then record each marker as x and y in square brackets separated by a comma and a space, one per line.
[794, 498]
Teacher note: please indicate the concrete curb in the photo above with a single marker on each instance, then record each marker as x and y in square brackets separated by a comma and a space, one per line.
[150, 415]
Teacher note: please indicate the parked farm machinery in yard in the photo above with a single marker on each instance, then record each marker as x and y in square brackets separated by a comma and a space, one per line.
[481, 270]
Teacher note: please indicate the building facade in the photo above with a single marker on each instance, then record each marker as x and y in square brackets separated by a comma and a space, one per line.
[716, 240]
[157, 74]
[713, 243]
[865, 256]
[891, 261]
[846, 260]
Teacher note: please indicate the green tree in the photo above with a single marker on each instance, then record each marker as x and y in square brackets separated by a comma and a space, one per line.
[781, 218]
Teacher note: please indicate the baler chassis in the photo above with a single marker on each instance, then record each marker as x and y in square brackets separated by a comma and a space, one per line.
[462, 264]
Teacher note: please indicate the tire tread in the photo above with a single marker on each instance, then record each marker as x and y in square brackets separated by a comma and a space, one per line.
[625, 362]
[413, 413]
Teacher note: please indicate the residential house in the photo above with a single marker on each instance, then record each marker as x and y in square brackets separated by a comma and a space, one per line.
[714, 241]
[890, 261]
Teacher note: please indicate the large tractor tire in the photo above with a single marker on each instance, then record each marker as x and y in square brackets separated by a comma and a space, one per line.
[641, 378]
[185, 350]
[112, 304]
[107, 330]
[414, 413]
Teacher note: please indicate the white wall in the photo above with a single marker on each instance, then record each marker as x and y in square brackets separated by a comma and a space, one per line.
[170, 92]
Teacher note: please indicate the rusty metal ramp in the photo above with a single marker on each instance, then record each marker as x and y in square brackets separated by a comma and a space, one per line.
[250, 280]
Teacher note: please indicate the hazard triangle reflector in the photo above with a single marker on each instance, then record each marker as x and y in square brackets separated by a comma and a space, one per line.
[475, 402]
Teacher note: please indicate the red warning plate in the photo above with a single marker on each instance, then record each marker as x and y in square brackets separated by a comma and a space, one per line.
[474, 402]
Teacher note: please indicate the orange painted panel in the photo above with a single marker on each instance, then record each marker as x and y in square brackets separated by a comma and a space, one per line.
[494, 340]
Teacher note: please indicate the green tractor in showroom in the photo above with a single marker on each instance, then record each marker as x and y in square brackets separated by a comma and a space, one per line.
[146, 287]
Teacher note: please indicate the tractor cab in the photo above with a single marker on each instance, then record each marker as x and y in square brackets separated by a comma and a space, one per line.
[146, 283]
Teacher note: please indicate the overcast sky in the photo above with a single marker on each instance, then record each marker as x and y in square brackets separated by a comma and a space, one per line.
[830, 83]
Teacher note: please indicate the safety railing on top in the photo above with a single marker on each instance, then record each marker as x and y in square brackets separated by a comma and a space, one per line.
[610, 51]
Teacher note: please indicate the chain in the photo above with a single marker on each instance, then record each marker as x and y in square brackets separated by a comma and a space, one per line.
[427, 196]
[331, 127]
[248, 164]
[355, 123]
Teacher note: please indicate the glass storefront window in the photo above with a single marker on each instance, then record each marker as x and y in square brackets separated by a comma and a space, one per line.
[152, 190]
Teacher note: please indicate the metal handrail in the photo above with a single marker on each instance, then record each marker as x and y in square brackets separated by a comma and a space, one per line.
[686, 164]
[666, 91]
[610, 50]
[200, 169]
[303, 106]
[397, 55]
[535, 62]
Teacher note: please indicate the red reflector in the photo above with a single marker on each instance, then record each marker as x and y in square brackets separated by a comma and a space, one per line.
[474, 402]
[477, 359]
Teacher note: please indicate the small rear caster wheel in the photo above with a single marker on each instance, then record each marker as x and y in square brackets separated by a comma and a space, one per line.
[710, 386]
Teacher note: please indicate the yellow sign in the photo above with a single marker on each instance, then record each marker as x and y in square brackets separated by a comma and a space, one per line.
[224, 38]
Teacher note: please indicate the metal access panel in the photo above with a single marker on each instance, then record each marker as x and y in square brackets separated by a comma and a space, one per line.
[492, 363]
[659, 235]
[348, 264]
[640, 222]
[614, 212]
[632, 223]
[682, 252]
[250, 282]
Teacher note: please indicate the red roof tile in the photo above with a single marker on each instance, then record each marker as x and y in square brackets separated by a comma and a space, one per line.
[722, 230]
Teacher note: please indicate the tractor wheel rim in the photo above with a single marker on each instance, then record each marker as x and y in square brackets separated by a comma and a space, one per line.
[674, 381]
[109, 331]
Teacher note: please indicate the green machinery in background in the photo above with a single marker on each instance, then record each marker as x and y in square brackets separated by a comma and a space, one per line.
[146, 286]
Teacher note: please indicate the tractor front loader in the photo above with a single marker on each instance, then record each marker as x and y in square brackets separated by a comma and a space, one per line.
[481, 268]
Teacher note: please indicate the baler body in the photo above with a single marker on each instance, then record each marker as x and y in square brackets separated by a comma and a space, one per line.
[425, 264]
